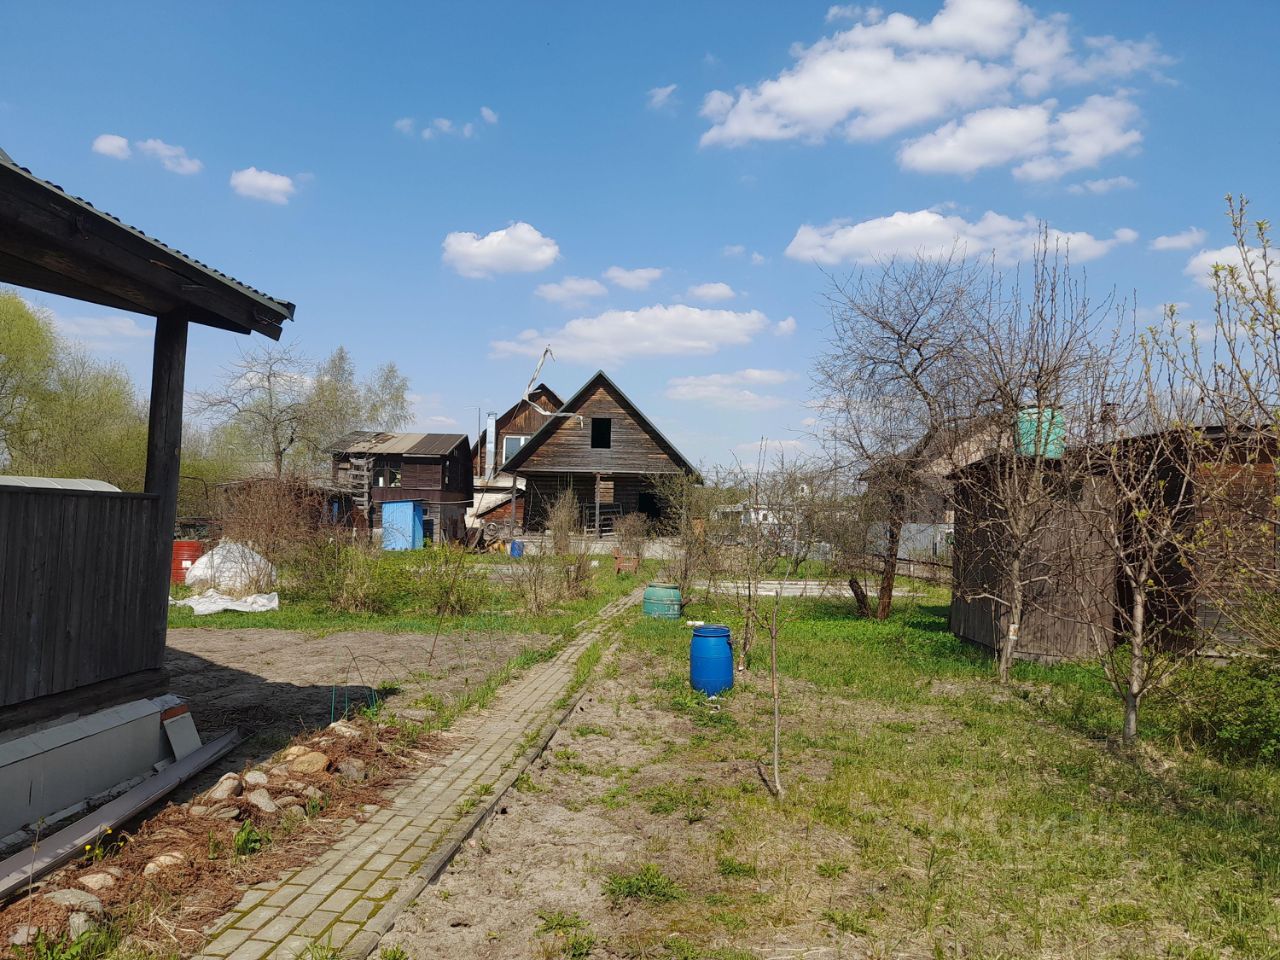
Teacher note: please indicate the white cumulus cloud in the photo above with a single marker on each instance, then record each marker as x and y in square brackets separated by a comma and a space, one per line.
[571, 290]
[263, 185]
[712, 292]
[112, 145]
[1191, 237]
[660, 97]
[640, 278]
[518, 248]
[934, 234]
[785, 327]
[1201, 266]
[488, 115]
[885, 74]
[986, 138]
[405, 125]
[172, 158]
[730, 390]
[1104, 185]
[656, 331]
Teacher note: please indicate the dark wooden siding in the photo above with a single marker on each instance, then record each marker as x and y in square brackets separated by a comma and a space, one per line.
[521, 420]
[568, 449]
[78, 603]
[543, 489]
[1057, 624]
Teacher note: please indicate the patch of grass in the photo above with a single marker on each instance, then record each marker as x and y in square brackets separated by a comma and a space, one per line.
[557, 922]
[648, 884]
[396, 952]
[591, 730]
[907, 765]
[100, 943]
[320, 951]
[729, 867]
[846, 921]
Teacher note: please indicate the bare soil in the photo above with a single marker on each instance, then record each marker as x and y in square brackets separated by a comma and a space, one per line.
[276, 684]
[617, 789]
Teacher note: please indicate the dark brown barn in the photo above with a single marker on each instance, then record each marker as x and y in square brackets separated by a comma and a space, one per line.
[603, 448]
[433, 468]
[1057, 624]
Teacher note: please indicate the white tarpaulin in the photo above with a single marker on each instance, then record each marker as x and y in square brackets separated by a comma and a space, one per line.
[211, 601]
[231, 568]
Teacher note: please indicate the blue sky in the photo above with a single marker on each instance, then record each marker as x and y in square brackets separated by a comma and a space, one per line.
[655, 189]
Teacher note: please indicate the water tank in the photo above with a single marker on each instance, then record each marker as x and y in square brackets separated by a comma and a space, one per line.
[517, 549]
[662, 600]
[1041, 430]
[711, 659]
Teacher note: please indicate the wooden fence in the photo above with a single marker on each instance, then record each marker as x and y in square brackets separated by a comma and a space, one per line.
[78, 598]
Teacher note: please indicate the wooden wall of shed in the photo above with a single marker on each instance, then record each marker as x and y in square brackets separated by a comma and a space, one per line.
[77, 602]
[568, 449]
[1063, 612]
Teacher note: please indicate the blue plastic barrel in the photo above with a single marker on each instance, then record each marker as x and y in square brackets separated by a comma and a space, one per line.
[711, 659]
[517, 549]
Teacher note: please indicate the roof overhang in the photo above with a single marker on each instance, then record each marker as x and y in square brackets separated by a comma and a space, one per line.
[57, 243]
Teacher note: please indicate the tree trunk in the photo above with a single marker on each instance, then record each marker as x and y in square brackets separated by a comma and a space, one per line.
[748, 628]
[1014, 630]
[777, 699]
[1137, 670]
[893, 532]
[860, 595]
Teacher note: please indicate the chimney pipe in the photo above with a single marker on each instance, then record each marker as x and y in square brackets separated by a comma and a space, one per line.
[491, 446]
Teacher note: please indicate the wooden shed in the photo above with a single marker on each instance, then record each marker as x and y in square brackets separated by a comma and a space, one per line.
[1069, 605]
[603, 448]
[84, 573]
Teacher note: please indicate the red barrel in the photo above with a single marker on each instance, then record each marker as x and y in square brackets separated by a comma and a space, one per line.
[185, 553]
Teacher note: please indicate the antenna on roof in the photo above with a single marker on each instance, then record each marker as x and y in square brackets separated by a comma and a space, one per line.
[546, 352]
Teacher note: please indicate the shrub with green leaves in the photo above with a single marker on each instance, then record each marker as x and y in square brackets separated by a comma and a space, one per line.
[1232, 711]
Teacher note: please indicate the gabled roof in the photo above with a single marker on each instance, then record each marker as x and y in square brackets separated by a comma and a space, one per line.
[600, 379]
[53, 241]
[556, 404]
[404, 444]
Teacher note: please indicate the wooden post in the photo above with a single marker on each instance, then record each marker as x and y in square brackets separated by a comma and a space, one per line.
[597, 506]
[164, 450]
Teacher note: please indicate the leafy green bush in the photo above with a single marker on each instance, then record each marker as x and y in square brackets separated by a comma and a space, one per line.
[1232, 711]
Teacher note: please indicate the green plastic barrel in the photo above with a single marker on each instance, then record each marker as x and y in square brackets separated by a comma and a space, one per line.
[1041, 431]
[662, 600]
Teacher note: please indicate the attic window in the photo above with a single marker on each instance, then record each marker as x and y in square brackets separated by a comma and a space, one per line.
[601, 433]
[510, 444]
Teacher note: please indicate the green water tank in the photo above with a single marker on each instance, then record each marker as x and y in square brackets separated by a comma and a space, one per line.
[662, 600]
[1041, 430]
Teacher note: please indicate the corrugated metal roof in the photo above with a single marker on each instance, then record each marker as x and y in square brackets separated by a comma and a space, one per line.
[59, 483]
[405, 444]
[280, 310]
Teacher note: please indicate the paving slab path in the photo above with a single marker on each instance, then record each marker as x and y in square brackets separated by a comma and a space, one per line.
[350, 896]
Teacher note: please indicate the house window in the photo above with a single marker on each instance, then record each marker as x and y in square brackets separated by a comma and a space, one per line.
[393, 474]
[601, 433]
[511, 443]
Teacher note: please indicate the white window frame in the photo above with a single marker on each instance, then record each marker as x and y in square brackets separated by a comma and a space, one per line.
[522, 437]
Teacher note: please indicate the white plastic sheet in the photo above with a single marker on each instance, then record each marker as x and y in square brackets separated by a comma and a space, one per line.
[231, 568]
[211, 601]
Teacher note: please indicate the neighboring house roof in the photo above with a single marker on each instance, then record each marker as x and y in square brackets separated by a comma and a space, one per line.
[552, 425]
[550, 395]
[59, 243]
[404, 444]
[58, 483]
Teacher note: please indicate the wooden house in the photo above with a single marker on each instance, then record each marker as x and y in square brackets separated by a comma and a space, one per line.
[603, 448]
[433, 469]
[499, 496]
[84, 572]
[1069, 604]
